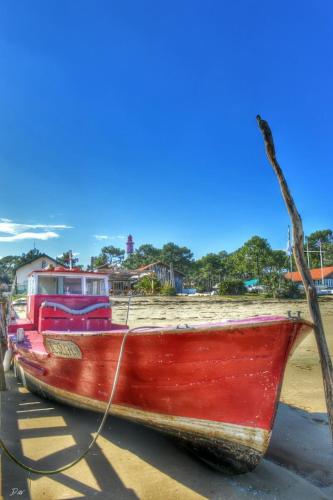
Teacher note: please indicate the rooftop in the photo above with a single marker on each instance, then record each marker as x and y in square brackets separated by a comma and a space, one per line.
[65, 270]
[40, 256]
[316, 274]
[149, 266]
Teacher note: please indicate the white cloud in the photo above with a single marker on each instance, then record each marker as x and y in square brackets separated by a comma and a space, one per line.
[18, 232]
[101, 237]
[7, 226]
[106, 237]
[30, 236]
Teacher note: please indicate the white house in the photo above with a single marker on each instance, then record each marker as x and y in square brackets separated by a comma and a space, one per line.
[22, 272]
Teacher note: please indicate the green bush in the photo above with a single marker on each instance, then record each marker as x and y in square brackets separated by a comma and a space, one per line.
[278, 287]
[168, 289]
[148, 284]
[289, 290]
[232, 286]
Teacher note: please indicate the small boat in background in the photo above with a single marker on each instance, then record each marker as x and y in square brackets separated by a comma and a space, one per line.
[213, 386]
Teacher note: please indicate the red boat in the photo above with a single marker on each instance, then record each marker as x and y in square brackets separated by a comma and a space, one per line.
[213, 386]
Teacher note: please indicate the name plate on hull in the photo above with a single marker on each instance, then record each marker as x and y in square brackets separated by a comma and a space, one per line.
[64, 348]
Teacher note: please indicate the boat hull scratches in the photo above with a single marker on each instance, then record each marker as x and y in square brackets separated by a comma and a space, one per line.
[221, 453]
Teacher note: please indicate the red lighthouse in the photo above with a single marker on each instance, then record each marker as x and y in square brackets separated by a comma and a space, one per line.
[130, 245]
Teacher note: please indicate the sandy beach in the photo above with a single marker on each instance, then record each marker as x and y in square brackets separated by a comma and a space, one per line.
[130, 461]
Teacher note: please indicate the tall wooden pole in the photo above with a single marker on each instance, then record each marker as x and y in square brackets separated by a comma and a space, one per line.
[3, 326]
[298, 250]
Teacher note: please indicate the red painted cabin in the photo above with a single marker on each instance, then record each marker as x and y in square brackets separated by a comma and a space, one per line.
[72, 289]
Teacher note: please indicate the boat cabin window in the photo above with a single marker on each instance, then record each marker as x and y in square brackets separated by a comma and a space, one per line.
[72, 286]
[59, 285]
[48, 285]
[68, 285]
[95, 286]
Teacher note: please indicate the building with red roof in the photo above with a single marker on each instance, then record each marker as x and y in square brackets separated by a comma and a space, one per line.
[322, 276]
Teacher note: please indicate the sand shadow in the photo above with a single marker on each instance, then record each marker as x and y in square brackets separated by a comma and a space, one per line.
[16, 410]
[301, 442]
[142, 449]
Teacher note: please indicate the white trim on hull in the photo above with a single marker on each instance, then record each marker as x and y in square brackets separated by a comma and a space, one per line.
[254, 438]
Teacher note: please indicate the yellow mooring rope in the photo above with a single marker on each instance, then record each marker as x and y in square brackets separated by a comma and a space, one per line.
[99, 430]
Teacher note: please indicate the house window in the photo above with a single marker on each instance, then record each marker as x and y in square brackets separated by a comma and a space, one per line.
[44, 264]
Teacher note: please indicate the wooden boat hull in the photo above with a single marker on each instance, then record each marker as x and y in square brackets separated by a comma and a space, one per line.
[223, 446]
[214, 387]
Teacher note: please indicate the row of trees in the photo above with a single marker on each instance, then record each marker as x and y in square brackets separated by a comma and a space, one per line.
[254, 259]
[180, 257]
[320, 242]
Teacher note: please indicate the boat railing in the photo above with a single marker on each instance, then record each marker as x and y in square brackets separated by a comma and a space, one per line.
[57, 316]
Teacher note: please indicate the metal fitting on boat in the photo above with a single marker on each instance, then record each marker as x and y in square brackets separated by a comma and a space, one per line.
[296, 315]
[20, 335]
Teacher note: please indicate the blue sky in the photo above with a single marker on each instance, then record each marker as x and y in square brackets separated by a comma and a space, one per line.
[139, 117]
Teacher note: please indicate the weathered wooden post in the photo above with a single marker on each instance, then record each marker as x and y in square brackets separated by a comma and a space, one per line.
[298, 250]
[3, 316]
[3, 326]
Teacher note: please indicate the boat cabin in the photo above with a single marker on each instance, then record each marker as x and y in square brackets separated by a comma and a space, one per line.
[68, 300]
